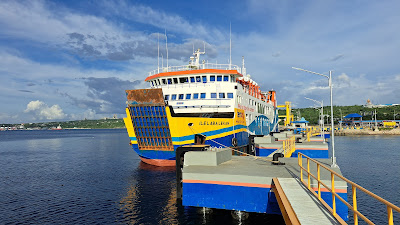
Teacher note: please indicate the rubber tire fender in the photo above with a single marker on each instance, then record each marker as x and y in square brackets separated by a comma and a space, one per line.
[234, 142]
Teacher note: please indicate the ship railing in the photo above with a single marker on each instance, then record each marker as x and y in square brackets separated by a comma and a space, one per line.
[289, 146]
[195, 67]
[354, 187]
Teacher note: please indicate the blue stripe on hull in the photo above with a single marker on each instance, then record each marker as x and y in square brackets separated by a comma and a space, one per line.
[209, 133]
[170, 155]
[155, 154]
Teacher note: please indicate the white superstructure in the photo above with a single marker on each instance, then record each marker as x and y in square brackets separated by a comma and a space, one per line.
[212, 90]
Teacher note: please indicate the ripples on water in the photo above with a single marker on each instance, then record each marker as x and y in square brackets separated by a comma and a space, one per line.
[91, 177]
[374, 163]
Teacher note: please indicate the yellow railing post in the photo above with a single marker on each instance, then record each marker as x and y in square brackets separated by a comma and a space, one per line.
[319, 184]
[390, 215]
[333, 191]
[354, 193]
[308, 172]
[301, 167]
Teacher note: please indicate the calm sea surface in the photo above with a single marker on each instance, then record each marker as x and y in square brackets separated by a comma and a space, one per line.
[94, 177]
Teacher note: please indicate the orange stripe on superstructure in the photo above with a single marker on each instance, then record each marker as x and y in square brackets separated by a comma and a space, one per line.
[184, 72]
[227, 183]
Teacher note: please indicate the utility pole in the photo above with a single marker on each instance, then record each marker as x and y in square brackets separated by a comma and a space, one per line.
[332, 124]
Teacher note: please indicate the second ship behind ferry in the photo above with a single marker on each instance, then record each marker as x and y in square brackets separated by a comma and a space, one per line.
[219, 101]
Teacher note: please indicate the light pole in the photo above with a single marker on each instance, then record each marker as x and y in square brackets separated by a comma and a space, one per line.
[322, 116]
[332, 125]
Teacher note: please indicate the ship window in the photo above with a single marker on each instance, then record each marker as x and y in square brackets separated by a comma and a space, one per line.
[192, 80]
[158, 82]
[213, 95]
[203, 95]
[198, 79]
[173, 97]
[166, 97]
[204, 79]
[152, 84]
[169, 81]
[175, 80]
[221, 95]
[212, 78]
[219, 78]
[180, 96]
[195, 95]
[226, 78]
[188, 96]
[230, 95]
[164, 82]
[183, 80]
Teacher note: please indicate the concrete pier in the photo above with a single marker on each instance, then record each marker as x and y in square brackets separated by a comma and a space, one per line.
[268, 145]
[244, 183]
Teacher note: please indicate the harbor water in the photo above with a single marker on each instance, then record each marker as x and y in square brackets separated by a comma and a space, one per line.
[94, 177]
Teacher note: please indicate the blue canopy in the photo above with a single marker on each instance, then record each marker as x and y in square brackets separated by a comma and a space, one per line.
[353, 115]
[302, 120]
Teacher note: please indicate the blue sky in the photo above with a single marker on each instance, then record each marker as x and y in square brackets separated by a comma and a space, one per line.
[67, 60]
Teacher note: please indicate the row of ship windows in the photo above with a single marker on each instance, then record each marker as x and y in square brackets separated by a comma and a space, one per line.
[197, 95]
[195, 79]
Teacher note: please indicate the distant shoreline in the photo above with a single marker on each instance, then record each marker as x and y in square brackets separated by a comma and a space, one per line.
[346, 132]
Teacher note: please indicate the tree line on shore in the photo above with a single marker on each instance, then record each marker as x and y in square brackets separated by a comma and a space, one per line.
[312, 114]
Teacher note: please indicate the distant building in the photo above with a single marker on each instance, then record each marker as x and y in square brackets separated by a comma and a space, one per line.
[370, 105]
[353, 119]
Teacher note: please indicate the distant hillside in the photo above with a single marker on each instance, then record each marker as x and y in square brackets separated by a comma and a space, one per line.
[312, 114]
[92, 124]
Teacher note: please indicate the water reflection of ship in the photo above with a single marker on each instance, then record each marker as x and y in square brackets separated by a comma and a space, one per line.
[151, 198]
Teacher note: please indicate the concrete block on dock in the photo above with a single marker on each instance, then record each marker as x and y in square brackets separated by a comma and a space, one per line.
[280, 135]
[264, 140]
[208, 158]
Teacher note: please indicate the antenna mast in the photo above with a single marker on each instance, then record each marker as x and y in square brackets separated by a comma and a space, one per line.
[230, 45]
[158, 53]
[166, 46]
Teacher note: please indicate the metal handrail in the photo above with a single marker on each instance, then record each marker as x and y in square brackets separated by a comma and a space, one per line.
[354, 186]
[289, 146]
[193, 67]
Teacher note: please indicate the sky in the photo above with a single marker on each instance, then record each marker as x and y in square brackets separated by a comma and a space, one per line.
[70, 60]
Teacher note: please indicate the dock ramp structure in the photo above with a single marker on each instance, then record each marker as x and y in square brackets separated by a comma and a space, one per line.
[304, 190]
[299, 206]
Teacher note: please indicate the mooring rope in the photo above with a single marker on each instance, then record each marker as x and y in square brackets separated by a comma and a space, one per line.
[255, 157]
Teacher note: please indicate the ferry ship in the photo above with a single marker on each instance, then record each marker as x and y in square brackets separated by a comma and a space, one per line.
[219, 101]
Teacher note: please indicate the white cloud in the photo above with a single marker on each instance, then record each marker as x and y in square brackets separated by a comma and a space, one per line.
[42, 111]
[88, 114]
[4, 117]
[163, 20]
